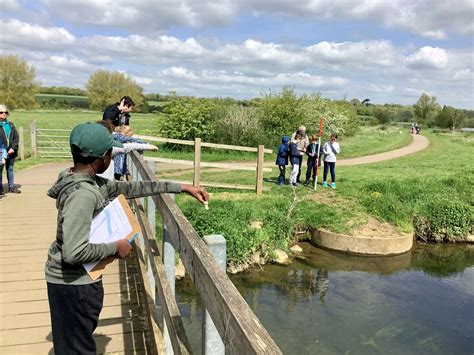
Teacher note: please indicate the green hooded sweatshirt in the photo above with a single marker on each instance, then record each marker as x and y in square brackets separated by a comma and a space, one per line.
[79, 198]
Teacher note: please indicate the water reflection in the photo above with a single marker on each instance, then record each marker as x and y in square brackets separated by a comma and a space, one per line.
[419, 302]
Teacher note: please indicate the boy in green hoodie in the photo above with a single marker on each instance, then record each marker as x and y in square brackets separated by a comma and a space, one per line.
[75, 299]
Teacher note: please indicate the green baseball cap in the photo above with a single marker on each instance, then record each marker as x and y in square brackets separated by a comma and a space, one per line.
[92, 140]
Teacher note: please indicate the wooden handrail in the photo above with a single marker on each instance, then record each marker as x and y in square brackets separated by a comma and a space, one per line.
[170, 308]
[203, 144]
[239, 328]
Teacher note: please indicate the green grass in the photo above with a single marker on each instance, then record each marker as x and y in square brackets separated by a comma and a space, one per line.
[373, 140]
[396, 190]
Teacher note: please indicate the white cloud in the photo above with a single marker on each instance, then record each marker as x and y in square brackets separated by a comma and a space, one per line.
[427, 18]
[428, 57]
[9, 5]
[144, 15]
[17, 34]
[224, 77]
[148, 49]
[354, 54]
[432, 19]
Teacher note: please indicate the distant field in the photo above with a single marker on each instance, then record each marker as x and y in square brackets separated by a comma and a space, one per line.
[57, 97]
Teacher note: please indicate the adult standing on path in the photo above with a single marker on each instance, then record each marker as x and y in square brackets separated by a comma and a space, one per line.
[301, 143]
[9, 135]
[119, 113]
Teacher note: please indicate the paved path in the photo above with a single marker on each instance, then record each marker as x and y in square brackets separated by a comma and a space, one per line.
[28, 226]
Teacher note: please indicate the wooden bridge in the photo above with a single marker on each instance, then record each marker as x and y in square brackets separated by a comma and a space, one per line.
[134, 288]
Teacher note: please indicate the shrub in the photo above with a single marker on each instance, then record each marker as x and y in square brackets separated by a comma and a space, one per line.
[189, 118]
[443, 220]
[238, 125]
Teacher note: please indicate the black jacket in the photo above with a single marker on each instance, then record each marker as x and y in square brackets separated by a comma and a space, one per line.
[113, 114]
[13, 140]
[310, 149]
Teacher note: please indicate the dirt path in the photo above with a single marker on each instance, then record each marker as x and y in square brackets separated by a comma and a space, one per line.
[418, 143]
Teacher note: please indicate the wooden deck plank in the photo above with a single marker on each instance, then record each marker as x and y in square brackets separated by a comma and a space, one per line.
[24, 310]
[118, 344]
[32, 320]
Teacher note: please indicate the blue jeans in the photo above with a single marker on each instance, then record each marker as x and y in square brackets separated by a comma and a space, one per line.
[9, 166]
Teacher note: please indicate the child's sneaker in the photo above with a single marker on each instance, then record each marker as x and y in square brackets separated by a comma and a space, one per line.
[333, 185]
[325, 184]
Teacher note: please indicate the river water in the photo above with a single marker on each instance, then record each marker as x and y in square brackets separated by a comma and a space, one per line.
[421, 302]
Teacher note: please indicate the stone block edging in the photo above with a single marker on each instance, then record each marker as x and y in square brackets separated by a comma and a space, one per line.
[362, 245]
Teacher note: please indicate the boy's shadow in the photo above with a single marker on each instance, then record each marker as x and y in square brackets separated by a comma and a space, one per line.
[101, 341]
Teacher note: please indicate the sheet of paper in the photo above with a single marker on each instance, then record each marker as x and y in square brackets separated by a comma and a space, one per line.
[109, 225]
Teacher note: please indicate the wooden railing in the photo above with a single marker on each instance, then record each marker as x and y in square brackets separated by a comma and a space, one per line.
[54, 143]
[240, 330]
[198, 164]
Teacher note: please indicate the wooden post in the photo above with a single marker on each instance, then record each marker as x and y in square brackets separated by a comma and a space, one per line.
[261, 149]
[169, 262]
[22, 144]
[34, 151]
[197, 162]
[211, 340]
[151, 216]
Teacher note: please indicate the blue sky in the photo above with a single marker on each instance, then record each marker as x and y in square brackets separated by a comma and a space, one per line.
[388, 51]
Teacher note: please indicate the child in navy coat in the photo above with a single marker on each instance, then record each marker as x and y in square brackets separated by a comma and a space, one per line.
[282, 159]
[312, 153]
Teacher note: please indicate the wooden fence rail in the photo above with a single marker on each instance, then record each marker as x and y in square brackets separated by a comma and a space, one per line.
[54, 143]
[238, 327]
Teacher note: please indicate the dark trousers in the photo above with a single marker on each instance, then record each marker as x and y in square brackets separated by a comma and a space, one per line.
[75, 313]
[281, 178]
[332, 167]
[9, 162]
[299, 170]
[311, 169]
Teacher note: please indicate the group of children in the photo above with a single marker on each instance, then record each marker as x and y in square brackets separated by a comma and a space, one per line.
[293, 149]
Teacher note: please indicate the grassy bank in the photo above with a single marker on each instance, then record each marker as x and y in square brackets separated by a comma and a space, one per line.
[434, 185]
[429, 192]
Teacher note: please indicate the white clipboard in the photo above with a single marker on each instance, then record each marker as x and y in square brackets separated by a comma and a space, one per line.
[116, 221]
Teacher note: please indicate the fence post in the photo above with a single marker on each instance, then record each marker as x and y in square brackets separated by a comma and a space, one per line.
[211, 340]
[169, 262]
[34, 151]
[197, 162]
[22, 144]
[260, 156]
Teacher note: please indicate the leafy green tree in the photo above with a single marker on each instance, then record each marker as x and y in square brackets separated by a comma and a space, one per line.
[106, 87]
[426, 108]
[449, 117]
[189, 118]
[281, 113]
[382, 115]
[17, 83]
